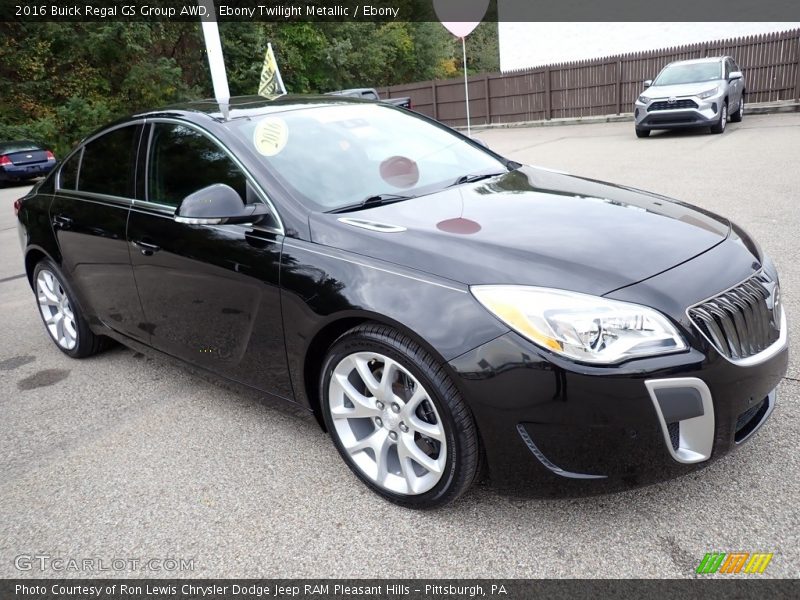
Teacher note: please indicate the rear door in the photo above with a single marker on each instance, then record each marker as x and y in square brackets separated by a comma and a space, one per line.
[733, 93]
[739, 85]
[210, 293]
[89, 214]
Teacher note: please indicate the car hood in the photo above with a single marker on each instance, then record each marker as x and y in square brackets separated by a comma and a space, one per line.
[531, 227]
[680, 89]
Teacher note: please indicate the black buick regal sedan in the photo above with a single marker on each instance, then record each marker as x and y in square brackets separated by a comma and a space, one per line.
[446, 313]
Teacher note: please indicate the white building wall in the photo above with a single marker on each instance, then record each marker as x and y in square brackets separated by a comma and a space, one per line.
[524, 45]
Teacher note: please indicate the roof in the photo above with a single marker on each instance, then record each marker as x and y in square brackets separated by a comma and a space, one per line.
[708, 59]
[249, 106]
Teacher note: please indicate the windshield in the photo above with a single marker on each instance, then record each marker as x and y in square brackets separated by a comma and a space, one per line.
[24, 146]
[689, 73]
[337, 156]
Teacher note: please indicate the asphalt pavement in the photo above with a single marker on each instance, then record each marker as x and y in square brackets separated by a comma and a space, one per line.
[127, 457]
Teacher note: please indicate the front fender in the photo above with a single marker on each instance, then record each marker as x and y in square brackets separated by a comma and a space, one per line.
[322, 285]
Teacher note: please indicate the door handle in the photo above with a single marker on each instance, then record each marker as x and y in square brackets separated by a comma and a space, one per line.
[62, 221]
[146, 248]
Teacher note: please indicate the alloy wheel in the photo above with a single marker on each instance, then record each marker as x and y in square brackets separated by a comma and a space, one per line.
[387, 423]
[56, 310]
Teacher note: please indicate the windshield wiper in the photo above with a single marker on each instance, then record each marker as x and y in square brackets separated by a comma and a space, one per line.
[469, 178]
[370, 201]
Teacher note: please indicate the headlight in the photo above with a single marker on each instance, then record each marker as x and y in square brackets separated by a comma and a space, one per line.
[709, 93]
[579, 326]
[643, 99]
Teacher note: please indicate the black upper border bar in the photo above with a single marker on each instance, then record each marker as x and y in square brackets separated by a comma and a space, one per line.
[278, 11]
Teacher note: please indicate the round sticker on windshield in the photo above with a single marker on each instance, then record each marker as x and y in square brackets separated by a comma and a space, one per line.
[270, 136]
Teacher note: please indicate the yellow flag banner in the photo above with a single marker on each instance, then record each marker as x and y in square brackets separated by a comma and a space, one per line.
[271, 84]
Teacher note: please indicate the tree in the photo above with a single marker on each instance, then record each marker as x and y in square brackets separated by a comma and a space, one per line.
[60, 81]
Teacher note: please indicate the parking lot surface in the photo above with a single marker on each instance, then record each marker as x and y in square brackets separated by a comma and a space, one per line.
[129, 457]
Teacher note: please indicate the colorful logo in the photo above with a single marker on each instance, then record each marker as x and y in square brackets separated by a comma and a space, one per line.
[734, 562]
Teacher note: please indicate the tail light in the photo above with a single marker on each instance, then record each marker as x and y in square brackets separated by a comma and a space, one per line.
[4, 160]
[50, 155]
[17, 206]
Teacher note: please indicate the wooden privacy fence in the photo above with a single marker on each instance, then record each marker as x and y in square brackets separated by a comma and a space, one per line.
[602, 86]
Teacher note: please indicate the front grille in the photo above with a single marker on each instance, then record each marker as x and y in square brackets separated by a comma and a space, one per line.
[750, 419]
[742, 321]
[674, 430]
[664, 105]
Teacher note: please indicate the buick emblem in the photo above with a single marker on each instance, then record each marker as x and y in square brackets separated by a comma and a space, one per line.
[29, 156]
[672, 100]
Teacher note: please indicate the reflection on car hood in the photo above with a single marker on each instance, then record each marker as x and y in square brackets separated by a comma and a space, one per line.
[680, 89]
[532, 227]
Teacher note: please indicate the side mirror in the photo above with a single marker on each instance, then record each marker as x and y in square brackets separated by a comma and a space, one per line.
[648, 83]
[218, 204]
[735, 75]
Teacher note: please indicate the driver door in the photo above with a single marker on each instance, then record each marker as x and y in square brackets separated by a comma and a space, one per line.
[210, 293]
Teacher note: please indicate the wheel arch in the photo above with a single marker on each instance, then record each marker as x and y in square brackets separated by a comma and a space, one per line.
[33, 256]
[332, 330]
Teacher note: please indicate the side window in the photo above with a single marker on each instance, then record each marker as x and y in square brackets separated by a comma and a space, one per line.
[369, 94]
[182, 161]
[734, 66]
[108, 163]
[68, 175]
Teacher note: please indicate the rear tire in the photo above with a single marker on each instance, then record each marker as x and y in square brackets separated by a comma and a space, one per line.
[723, 120]
[737, 116]
[410, 438]
[642, 133]
[61, 314]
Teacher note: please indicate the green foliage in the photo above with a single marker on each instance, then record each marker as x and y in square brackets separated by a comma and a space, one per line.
[60, 81]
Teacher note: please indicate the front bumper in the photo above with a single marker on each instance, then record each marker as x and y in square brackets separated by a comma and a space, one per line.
[22, 172]
[551, 427]
[660, 114]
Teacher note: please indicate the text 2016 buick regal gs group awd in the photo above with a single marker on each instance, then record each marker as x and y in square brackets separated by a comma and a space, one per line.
[447, 314]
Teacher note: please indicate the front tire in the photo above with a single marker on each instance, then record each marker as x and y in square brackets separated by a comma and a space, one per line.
[60, 313]
[397, 419]
[723, 120]
[642, 133]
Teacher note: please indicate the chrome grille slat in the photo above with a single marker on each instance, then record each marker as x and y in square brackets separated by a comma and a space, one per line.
[717, 337]
[759, 325]
[746, 316]
[739, 322]
[682, 103]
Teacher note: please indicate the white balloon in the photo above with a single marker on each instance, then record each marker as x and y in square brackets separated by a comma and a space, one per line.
[460, 17]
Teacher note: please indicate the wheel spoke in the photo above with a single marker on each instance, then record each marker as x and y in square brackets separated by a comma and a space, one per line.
[374, 440]
[412, 403]
[47, 297]
[59, 323]
[431, 430]
[382, 460]
[362, 406]
[407, 471]
[365, 373]
[407, 448]
[385, 391]
[70, 332]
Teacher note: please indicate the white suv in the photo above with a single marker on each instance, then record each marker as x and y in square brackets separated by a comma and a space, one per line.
[704, 92]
